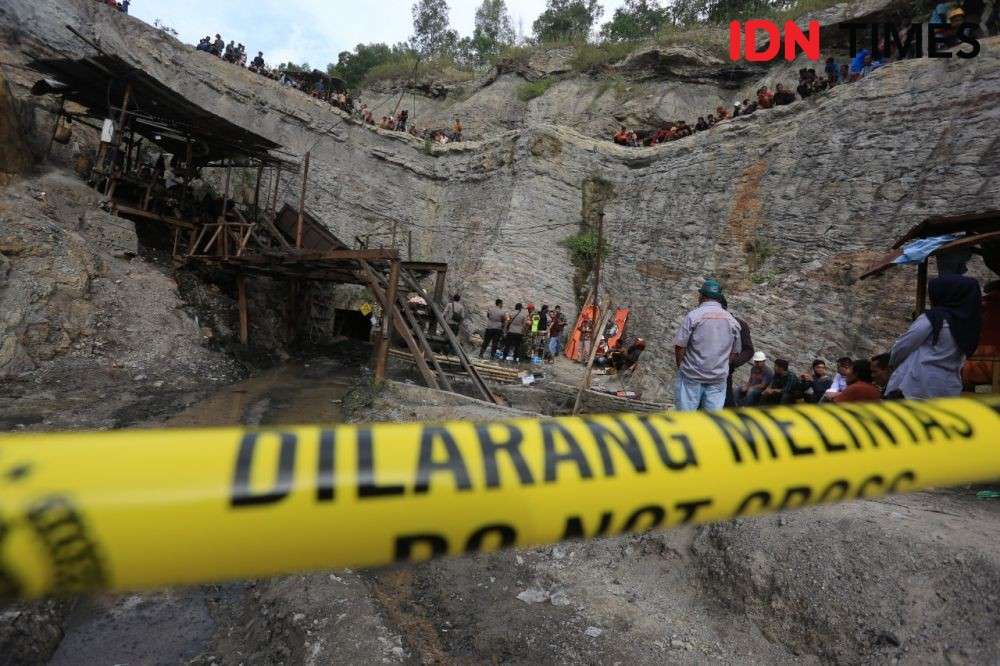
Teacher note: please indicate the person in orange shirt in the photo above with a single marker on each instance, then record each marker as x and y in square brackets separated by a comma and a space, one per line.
[859, 384]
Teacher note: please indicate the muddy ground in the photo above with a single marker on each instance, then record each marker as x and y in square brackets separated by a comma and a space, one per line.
[912, 579]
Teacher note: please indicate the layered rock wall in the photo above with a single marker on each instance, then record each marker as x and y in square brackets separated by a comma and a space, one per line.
[787, 206]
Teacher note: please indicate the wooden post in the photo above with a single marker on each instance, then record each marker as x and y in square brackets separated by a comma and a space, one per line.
[422, 339]
[455, 344]
[274, 201]
[393, 245]
[241, 290]
[921, 289]
[387, 320]
[379, 293]
[55, 128]
[222, 216]
[439, 277]
[597, 263]
[302, 202]
[117, 137]
[256, 190]
[585, 383]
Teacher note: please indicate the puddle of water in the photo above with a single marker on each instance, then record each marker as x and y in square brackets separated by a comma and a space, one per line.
[288, 395]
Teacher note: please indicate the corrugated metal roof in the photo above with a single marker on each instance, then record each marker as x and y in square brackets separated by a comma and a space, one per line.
[159, 113]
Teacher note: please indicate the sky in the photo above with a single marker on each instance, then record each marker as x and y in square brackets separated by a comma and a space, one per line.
[314, 31]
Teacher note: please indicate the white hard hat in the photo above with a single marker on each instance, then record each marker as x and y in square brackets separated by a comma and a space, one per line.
[759, 356]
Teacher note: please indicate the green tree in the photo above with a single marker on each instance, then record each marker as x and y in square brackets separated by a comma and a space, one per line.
[636, 19]
[567, 20]
[431, 34]
[493, 29]
[292, 67]
[353, 66]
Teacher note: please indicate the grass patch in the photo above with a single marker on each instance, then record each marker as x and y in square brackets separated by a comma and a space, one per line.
[515, 55]
[592, 56]
[759, 250]
[407, 67]
[529, 90]
[583, 249]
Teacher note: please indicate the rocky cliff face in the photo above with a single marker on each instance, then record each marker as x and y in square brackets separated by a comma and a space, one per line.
[786, 206]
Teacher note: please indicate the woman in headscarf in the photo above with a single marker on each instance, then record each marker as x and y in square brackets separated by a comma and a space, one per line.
[928, 358]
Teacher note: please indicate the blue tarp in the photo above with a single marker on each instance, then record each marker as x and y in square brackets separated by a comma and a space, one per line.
[917, 250]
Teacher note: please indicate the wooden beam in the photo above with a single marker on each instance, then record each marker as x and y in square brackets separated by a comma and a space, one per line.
[425, 266]
[256, 190]
[116, 137]
[355, 255]
[241, 290]
[149, 215]
[274, 201]
[302, 202]
[585, 382]
[387, 322]
[222, 215]
[439, 278]
[422, 339]
[404, 333]
[456, 345]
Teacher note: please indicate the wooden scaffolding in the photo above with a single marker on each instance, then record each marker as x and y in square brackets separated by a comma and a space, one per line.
[134, 110]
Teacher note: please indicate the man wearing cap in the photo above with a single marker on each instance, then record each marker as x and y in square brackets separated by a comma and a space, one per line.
[705, 344]
[760, 378]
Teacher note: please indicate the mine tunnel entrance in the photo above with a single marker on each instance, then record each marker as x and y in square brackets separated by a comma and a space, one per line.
[353, 324]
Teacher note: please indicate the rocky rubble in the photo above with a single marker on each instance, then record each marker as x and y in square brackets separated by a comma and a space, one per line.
[82, 315]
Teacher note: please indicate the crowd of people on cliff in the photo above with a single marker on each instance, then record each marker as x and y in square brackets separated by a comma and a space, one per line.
[810, 83]
[925, 362]
[120, 5]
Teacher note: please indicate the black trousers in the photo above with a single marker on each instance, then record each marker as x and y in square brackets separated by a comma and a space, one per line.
[491, 336]
[514, 341]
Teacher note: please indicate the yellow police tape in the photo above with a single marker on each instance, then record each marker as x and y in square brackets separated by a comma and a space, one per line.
[144, 508]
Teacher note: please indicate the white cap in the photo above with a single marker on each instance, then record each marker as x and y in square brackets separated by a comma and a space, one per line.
[759, 356]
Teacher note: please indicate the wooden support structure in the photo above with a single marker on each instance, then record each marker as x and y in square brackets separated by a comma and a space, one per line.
[241, 292]
[222, 215]
[274, 199]
[256, 190]
[116, 139]
[302, 202]
[585, 382]
[387, 322]
[389, 310]
[456, 345]
[422, 339]
[439, 278]
[55, 127]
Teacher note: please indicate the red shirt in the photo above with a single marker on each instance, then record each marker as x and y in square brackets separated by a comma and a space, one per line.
[859, 392]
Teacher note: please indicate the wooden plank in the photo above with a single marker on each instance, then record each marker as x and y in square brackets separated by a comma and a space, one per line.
[456, 345]
[241, 289]
[355, 255]
[148, 215]
[585, 382]
[302, 201]
[439, 278]
[390, 298]
[422, 339]
[425, 371]
[425, 266]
